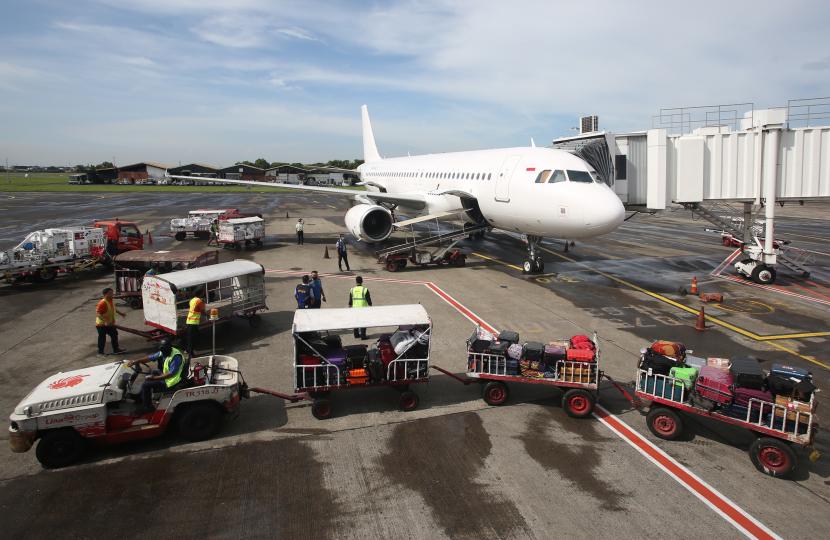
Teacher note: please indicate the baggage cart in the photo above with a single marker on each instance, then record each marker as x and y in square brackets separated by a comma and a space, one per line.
[234, 289]
[197, 223]
[578, 380]
[318, 372]
[237, 232]
[44, 254]
[777, 425]
[130, 268]
[430, 249]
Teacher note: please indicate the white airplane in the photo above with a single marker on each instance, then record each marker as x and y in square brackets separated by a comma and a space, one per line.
[533, 191]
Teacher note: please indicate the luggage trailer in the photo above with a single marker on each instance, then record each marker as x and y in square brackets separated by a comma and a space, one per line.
[317, 381]
[580, 387]
[777, 427]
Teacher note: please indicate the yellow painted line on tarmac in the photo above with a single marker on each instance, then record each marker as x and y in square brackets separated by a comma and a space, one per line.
[719, 322]
[513, 266]
[793, 336]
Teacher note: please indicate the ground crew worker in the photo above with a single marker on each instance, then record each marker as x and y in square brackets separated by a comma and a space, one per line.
[105, 323]
[169, 373]
[214, 233]
[299, 227]
[342, 256]
[317, 294]
[358, 298]
[303, 294]
[194, 317]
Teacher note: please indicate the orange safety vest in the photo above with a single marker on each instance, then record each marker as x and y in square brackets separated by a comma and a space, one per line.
[108, 317]
[194, 314]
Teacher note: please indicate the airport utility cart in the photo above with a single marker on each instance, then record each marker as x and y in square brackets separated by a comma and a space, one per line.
[44, 254]
[434, 248]
[570, 364]
[778, 407]
[197, 223]
[398, 356]
[237, 232]
[234, 289]
[101, 404]
[130, 268]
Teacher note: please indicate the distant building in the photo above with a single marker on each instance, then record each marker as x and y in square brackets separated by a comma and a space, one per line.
[286, 174]
[331, 176]
[138, 172]
[242, 172]
[195, 169]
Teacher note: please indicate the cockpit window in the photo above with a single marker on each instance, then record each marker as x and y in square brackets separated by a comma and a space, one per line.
[543, 177]
[558, 176]
[580, 176]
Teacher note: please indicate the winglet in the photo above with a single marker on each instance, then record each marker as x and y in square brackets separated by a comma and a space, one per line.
[370, 149]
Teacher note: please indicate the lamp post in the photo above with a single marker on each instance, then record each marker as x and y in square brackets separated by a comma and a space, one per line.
[214, 316]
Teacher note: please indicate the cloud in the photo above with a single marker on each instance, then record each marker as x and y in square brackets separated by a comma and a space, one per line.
[13, 77]
[818, 65]
[297, 33]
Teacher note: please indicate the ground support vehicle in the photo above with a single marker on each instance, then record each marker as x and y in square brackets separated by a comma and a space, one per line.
[197, 223]
[317, 372]
[44, 254]
[435, 248]
[237, 232]
[578, 380]
[777, 427]
[120, 236]
[70, 411]
[234, 289]
[130, 267]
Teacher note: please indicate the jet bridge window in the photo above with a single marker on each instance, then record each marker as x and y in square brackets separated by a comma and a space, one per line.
[543, 177]
[580, 176]
[558, 176]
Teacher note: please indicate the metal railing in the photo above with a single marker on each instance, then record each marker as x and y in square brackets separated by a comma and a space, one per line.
[564, 370]
[682, 120]
[804, 112]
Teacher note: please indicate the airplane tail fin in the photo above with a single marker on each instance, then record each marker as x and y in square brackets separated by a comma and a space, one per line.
[370, 149]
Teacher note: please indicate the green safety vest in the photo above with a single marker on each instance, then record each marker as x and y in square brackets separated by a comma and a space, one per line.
[359, 296]
[174, 380]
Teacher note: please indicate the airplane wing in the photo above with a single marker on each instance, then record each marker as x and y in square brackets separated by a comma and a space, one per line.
[414, 201]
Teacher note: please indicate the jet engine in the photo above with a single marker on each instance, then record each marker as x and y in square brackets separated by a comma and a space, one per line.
[369, 222]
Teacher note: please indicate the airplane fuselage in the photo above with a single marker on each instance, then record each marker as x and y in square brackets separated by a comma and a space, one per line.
[534, 191]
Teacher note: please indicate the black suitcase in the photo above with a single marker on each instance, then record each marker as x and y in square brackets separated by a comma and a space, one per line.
[374, 366]
[356, 355]
[499, 347]
[477, 345]
[509, 336]
[658, 363]
[333, 341]
[533, 351]
[747, 372]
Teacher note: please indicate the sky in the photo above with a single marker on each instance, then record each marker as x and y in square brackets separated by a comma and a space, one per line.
[219, 81]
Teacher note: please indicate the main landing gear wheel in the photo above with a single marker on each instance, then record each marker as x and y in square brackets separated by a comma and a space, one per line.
[665, 423]
[408, 401]
[578, 403]
[321, 409]
[763, 274]
[495, 393]
[60, 448]
[773, 457]
[391, 265]
[534, 267]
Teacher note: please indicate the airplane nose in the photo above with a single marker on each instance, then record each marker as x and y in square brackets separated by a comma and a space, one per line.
[605, 212]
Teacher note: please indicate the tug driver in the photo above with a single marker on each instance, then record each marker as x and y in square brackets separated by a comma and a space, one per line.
[171, 364]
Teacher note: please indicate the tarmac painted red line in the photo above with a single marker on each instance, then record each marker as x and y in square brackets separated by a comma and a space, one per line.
[810, 291]
[460, 307]
[726, 262]
[774, 289]
[345, 276]
[732, 513]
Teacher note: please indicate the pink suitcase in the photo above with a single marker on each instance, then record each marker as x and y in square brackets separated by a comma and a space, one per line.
[743, 395]
[715, 385]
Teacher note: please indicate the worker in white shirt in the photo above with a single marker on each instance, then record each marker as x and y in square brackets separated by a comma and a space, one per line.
[299, 228]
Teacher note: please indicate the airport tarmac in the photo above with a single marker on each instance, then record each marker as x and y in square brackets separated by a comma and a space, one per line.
[455, 467]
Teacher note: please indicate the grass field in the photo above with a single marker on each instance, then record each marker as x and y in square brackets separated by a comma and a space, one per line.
[17, 182]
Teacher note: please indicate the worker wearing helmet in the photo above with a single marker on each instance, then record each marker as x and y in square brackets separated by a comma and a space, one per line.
[195, 308]
[170, 373]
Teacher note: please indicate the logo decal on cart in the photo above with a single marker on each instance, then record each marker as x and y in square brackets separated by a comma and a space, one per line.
[68, 382]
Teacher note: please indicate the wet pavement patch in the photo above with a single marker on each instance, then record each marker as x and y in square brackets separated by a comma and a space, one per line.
[578, 461]
[440, 458]
[265, 489]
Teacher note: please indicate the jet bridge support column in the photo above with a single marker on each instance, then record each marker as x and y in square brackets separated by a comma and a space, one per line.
[771, 168]
[747, 232]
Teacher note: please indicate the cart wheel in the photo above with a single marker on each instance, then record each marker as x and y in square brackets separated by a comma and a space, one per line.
[135, 302]
[401, 264]
[60, 448]
[258, 243]
[459, 261]
[321, 409]
[391, 265]
[203, 235]
[409, 401]
[665, 423]
[247, 243]
[255, 320]
[45, 275]
[773, 457]
[180, 236]
[199, 421]
[578, 403]
[495, 393]
[237, 246]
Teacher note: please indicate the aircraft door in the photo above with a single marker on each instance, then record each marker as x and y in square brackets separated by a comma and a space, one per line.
[503, 179]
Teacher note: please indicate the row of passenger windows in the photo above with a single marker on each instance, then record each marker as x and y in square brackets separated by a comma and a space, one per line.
[552, 177]
[436, 175]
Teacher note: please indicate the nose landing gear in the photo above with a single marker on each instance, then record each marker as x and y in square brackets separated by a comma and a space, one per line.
[534, 263]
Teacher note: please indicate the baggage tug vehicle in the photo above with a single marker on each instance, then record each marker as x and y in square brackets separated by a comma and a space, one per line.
[100, 404]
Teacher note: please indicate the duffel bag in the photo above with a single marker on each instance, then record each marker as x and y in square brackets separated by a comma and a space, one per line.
[669, 348]
[582, 342]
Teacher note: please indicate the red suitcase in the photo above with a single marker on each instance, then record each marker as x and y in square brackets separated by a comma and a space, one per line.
[743, 395]
[582, 342]
[715, 385]
[580, 355]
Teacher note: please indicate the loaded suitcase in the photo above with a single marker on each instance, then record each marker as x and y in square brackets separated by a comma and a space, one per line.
[685, 375]
[743, 395]
[582, 342]
[357, 376]
[694, 361]
[514, 351]
[747, 372]
[580, 355]
[480, 341]
[499, 348]
[554, 353]
[509, 336]
[713, 387]
[533, 351]
[658, 363]
[669, 348]
[790, 372]
[652, 384]
[356, 355]
[333, 341]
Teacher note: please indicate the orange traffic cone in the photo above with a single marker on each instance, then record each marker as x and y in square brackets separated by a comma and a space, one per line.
[326, 254]
[700, 324]
[693, 289]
